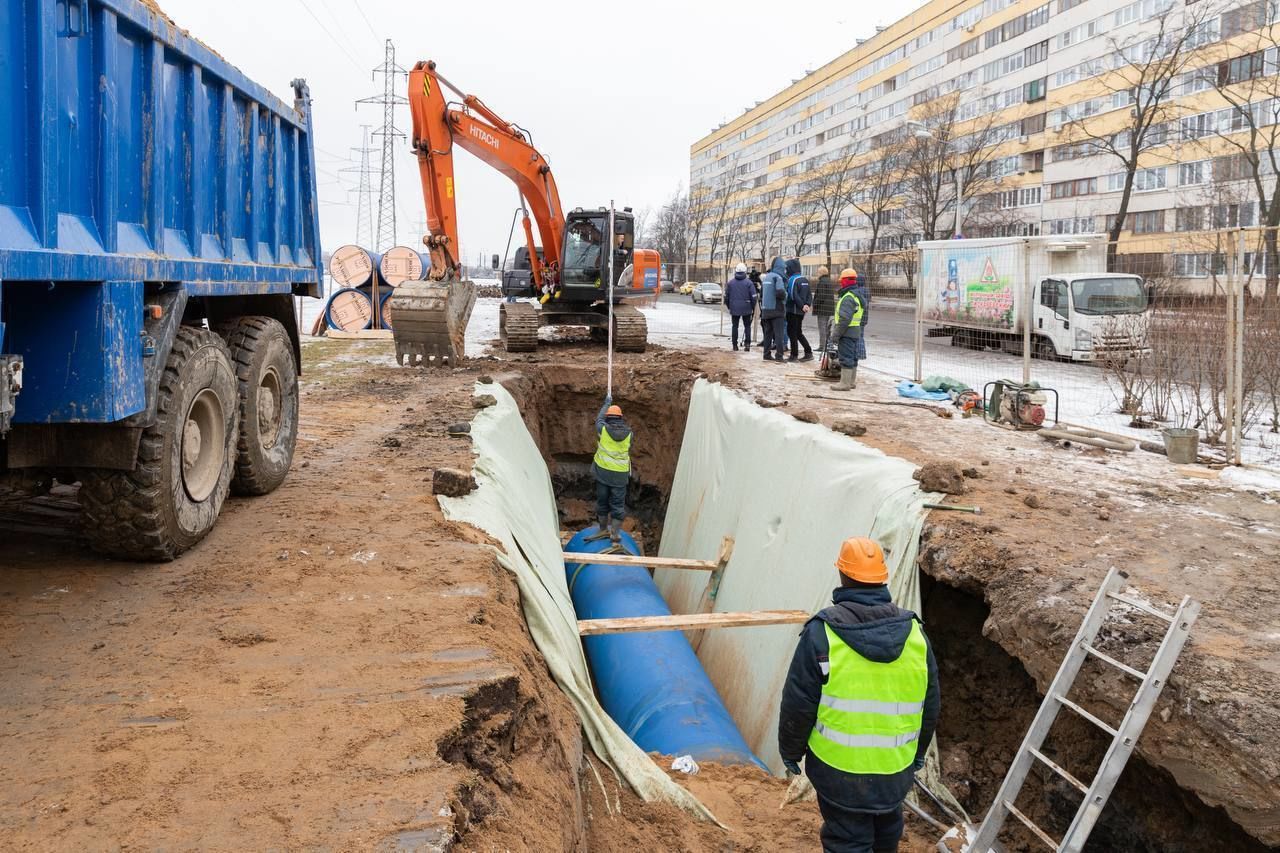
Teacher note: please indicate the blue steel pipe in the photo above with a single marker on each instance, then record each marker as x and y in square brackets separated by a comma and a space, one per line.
[651, 683]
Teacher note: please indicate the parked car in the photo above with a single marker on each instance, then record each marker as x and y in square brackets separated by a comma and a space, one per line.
[707, 292]
[686, 288]
[666, 285]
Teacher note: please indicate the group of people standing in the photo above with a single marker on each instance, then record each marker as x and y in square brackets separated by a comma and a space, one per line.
[785, 297]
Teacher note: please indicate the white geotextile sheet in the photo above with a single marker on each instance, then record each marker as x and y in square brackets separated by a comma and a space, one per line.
[515, 504]
[789, 493]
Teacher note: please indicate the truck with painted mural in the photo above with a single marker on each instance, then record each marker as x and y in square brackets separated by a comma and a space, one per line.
[158, 215]
[976, 292]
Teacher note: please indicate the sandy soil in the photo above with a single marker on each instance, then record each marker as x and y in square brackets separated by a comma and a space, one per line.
[1038, 568]
[338, 667]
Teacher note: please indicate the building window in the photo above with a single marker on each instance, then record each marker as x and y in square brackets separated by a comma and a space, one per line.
[1081, 225]
[1033, 161]
[1038, 52]
[1144, 180]
[1189, 219]
[1032, 124]
[1193, 174]
[1148, 222]
[1064, 5]
[1034, 90]
[1244, 19]
[963, 51]
[1071, 189]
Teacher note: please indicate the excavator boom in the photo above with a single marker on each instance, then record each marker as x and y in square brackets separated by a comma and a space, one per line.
[437, 128]
[580, 266]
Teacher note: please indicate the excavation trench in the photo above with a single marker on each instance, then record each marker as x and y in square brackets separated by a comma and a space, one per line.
[988, 696]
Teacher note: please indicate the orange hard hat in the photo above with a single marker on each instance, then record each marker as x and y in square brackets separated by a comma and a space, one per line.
[862, 559]
[848, 272]
[613, 410]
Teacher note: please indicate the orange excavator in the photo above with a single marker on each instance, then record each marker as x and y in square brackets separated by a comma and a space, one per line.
[568, 274]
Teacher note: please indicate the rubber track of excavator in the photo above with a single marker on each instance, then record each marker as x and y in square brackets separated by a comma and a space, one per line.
[518, 326]
[630, 329]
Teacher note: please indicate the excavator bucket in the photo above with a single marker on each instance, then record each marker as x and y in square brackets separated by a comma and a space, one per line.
[429, 319]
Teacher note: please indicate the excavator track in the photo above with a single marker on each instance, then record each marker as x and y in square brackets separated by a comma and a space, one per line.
[431, 321]
[518, 326]
[630, 329]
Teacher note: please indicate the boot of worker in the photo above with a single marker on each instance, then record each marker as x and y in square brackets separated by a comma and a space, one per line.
[615, 531]
[846, 380]
[602, 529]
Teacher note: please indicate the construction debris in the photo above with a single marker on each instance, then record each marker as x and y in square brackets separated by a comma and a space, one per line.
[452, 482]
[945, 477]
[849, 427]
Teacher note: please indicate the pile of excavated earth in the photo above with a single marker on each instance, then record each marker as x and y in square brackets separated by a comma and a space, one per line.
[338, 665]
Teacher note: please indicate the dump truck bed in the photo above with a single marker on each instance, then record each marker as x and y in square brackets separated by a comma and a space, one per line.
[131, 151]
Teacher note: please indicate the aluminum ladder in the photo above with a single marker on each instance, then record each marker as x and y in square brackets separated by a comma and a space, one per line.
[1123, 739]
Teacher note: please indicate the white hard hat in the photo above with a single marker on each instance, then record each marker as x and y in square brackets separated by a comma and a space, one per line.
[740, 268]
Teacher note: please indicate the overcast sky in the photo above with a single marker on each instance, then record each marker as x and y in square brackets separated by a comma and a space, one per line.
[613, 93]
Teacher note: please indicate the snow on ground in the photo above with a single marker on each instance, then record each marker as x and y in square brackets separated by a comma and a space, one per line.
[1085, 395]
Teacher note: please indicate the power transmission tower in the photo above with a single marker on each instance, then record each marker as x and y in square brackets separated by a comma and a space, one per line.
[363, 191]
[389, 100]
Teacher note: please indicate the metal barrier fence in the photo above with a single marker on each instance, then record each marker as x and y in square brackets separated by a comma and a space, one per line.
[1196, 347]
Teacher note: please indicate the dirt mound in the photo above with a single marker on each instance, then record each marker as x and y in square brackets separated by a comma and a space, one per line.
[945, 477]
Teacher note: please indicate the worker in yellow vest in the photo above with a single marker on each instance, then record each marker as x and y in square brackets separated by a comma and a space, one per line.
[860, 705]
[612, 469]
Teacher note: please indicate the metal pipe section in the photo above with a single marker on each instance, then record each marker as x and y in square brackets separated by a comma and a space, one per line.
[651, 683]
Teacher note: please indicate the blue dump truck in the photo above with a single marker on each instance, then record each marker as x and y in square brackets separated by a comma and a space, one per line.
[158, 216]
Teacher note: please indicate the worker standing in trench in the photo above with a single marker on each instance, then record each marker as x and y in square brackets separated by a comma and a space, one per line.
[860, 705]
[612, 469]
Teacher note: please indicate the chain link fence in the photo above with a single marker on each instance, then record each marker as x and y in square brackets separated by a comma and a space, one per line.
[1193, 342]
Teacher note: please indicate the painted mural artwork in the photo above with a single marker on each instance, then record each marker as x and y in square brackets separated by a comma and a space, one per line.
[970, 284]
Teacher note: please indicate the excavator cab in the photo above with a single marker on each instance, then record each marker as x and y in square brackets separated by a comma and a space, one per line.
[584, 267]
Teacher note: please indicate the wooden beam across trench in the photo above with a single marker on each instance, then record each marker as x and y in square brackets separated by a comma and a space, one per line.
[691, 621]
[681, 622]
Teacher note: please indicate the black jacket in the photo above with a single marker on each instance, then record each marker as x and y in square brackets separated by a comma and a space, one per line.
[618, 429]
[798, 292]
[869, 622]
[824, 296]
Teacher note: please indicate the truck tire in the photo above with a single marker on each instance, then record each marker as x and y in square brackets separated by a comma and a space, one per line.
[172, 498]
[1044, 350]
[268, 393]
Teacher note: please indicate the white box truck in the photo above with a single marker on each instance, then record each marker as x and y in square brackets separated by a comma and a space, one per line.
[974, 291]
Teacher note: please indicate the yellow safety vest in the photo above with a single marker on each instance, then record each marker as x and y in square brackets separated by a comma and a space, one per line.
[612, 455]
[857, 309]
[869, 715]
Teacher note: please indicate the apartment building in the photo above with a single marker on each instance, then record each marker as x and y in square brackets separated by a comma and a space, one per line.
[1040, 78]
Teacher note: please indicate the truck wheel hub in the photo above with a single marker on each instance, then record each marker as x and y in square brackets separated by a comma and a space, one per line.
[203, 437]
[269, 409]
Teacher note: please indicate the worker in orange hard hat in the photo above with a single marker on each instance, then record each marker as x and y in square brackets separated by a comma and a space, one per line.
[612, 467]
[846, 327]
[860, 705]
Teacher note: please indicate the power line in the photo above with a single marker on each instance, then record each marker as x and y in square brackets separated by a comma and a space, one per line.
[388, 100]
[320, 23]
[366, 18]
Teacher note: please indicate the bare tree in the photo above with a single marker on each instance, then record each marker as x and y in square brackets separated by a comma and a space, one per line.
[775, 220]
[671, 228]
[721, 213]
[1145, 70]
[939, 157]
[700, 209]
[876, 187]
[829, 192]
[804, 218]
[1246, 79]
